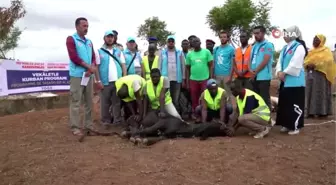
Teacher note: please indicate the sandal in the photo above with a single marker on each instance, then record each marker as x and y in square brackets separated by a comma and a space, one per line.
[77, 132]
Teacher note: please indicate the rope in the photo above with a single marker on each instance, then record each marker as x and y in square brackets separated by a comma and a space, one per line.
[322, 123]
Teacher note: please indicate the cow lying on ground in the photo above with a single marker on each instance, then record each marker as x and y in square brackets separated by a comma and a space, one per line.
[154, 129]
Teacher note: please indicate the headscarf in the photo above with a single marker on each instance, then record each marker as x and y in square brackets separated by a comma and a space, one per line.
[323, 59]
[293, 33]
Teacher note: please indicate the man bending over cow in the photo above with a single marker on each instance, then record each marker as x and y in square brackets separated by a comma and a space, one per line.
[251, 112]
[129, 89]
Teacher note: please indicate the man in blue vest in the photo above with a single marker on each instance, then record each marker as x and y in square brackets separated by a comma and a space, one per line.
[261, 64]
[110, 69]
[132, 57]
[172, 65]
[82, 64]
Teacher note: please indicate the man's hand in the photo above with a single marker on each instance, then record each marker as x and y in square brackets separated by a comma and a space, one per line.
[137, 118]
[162, 114]
[281, 76]
[88, 73]
[92, 69]
[229, 131]
[228, 79]
[253, 75]
[99, 86]
[223, 125]
[241, 74]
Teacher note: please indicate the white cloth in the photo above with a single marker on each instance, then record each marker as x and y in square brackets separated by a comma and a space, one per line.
[170, 108]
[295, 64]
[136, 85]
[113, 73]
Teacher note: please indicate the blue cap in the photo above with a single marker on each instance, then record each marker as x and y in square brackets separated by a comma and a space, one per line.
[110, 32]
[211, 82]
[130, 39]
[152, 39]
[171, 37]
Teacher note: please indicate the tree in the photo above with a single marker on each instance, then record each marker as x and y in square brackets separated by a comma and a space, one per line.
[153, 27]
[237, 15]
[9, 33]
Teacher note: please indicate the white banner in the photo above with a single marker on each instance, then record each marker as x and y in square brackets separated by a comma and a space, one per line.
[17, 77]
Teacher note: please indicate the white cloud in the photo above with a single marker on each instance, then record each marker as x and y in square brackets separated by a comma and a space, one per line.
[184, 18]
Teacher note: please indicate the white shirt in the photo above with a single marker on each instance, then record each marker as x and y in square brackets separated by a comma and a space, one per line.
[113, 73]
[295, 64]
[136, 85]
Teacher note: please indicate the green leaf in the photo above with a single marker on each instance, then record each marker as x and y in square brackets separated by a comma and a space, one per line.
[9, 34]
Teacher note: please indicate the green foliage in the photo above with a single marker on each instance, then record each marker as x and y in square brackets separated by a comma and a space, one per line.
[153, 27]
[9, 33]
[237, 15]
[276, 55]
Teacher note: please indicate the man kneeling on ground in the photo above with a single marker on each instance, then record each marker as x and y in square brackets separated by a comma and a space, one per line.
[157, 95]
[213, 104]
[251, 111]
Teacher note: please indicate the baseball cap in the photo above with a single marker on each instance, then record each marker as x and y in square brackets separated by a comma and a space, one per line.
[211, 82]
[129, 39]
[115, 32]
[110, 32]
[171, 37]
[209, 40]
[152, 39]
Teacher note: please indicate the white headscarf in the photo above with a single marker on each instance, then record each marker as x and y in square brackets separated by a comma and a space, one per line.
[293, 33]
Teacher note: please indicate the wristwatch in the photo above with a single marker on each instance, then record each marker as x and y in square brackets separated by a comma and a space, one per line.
[97, 81]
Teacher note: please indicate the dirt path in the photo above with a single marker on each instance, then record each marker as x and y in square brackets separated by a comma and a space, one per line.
[38, 149]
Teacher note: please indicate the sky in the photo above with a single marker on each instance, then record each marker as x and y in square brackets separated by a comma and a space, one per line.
[49, 22]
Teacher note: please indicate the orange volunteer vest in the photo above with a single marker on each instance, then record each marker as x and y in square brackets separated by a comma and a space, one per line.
[242, 60]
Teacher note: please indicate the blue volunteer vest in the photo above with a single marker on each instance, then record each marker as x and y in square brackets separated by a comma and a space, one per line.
[258, 54]
[84, 51]
[164, 64]
[105, 62]
[286, 56]
[128, 59]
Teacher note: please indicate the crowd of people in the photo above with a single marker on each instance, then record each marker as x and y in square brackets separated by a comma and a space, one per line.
[226, 87]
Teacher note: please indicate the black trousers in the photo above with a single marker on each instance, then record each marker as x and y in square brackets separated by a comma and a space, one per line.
[262, 87]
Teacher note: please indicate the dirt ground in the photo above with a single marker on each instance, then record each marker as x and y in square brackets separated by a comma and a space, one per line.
[37, 148]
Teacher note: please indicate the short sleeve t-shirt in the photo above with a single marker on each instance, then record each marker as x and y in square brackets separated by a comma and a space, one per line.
[136, 85]
[165, 85]
[198, 62]
[223, 57]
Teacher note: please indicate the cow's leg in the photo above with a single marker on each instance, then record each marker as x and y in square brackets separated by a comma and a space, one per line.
[152, 140]
[209, 129]
[152, 130]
